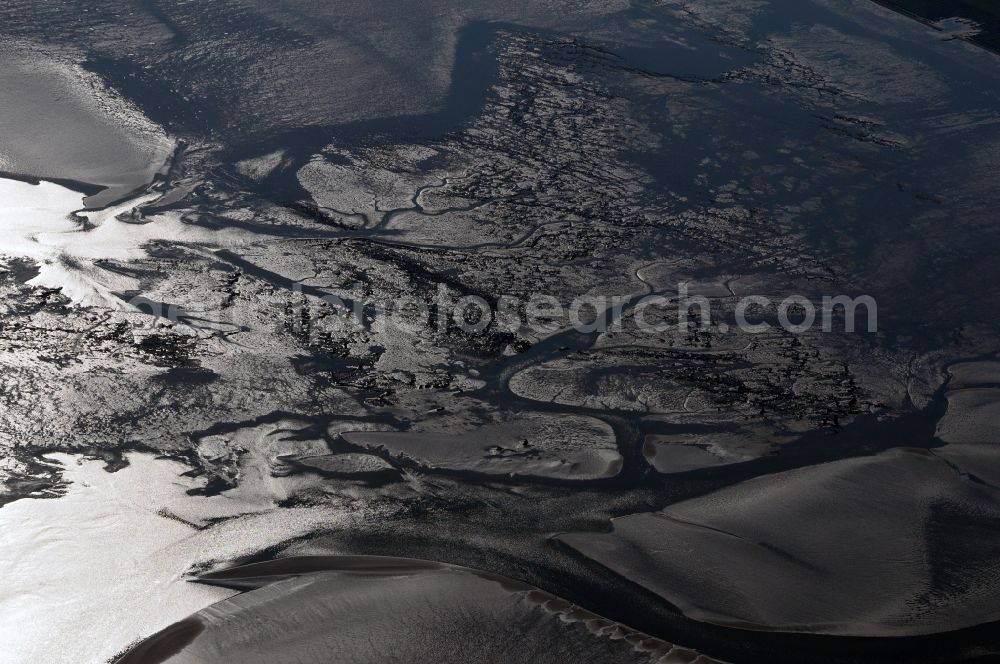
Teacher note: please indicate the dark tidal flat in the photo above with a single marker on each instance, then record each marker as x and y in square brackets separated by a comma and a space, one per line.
[246, 414]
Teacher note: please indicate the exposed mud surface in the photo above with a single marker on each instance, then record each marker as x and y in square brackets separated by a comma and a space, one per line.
[776, 495]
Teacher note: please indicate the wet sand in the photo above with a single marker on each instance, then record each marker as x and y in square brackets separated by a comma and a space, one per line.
[765, 147]
[363, 609]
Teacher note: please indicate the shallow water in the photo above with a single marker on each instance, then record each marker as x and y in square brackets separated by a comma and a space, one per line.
[854, 137]
[79, 570]
[62, 124]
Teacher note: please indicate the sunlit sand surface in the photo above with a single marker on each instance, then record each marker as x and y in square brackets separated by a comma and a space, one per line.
[90, 572]
[47, 224]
